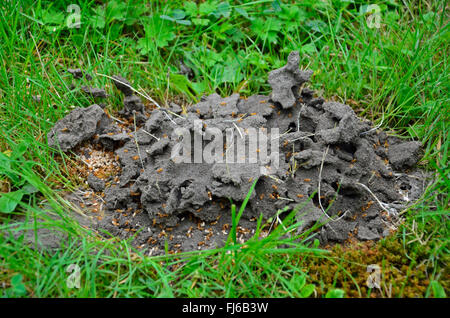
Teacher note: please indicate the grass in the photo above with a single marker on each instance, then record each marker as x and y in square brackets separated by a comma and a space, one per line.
[395, 75]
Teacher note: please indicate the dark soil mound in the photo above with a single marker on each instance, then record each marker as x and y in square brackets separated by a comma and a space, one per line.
[330, 165]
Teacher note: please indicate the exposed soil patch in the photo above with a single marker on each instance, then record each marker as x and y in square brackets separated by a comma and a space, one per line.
[335, 166]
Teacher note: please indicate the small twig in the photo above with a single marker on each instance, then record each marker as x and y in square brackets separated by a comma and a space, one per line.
[150, 134]
[383, 205]
[167, 115]
[144, 94]
[136, 141]
[271, 225]
[132, 88]
[298, 117]
[274, 178]
[318, 189]
[300, 138]
[239, 131]
[116, 119]
[320, 179]
[231, 145]
[287, 199]
[234, 120]
[294, 165]
[374, 128]
[279, 221]
[282, 135]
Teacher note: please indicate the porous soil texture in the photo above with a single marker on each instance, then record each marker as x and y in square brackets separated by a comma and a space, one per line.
[333, 168]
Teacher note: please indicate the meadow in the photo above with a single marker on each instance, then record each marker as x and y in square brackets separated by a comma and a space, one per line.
[388, 61]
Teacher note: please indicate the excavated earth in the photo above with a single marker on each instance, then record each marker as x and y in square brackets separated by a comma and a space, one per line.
[333, 167]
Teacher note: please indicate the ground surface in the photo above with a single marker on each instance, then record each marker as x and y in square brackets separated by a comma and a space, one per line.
[392, 71]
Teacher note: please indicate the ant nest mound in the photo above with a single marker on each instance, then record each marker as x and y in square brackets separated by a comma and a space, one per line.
[180, 172]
